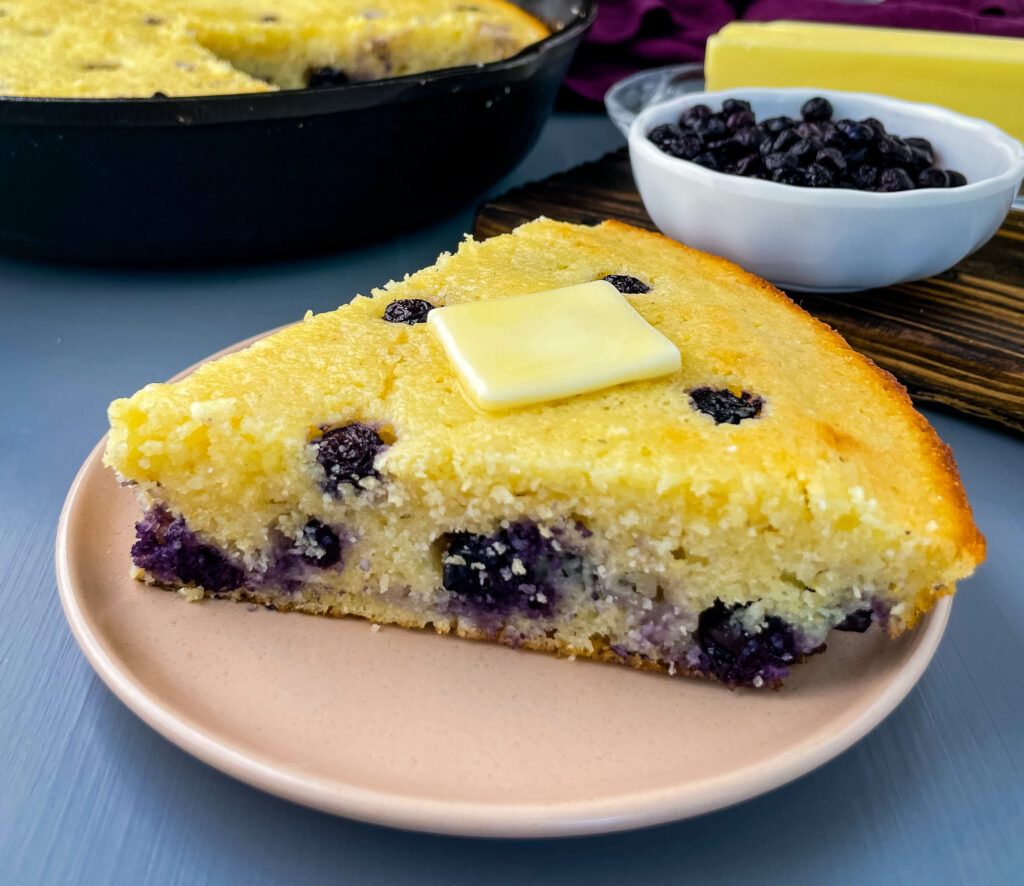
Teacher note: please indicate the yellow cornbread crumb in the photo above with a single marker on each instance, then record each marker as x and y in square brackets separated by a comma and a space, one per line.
[120, 48]
[76, 49]
[839, 493]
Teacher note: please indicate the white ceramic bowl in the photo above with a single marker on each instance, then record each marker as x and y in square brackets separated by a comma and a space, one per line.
[832, 239]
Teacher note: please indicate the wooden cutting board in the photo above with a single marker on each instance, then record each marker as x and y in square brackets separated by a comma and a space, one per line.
[955, 340]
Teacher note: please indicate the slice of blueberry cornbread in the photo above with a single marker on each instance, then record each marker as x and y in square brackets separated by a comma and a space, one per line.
[718, 520]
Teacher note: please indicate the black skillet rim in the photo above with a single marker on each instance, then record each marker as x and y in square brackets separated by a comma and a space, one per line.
[216, 109]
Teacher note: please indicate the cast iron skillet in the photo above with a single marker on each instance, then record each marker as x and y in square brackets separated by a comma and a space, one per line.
[244, 177]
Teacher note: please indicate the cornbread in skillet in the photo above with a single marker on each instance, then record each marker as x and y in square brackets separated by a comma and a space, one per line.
[719, 520]
[124, 48]
[79, 49]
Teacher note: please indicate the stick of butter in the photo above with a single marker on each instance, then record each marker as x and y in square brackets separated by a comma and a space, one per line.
[523, 349]
[978, 76]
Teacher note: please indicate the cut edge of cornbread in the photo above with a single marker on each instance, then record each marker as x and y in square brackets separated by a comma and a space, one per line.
[378, 612]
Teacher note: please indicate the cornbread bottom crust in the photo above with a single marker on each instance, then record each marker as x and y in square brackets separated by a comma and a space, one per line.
[376, 611]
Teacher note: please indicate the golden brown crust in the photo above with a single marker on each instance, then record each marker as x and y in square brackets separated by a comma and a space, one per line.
[526, 19]
[944, 474]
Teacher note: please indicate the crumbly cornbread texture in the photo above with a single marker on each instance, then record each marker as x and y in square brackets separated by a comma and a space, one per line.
[123, 48]
[720, 520]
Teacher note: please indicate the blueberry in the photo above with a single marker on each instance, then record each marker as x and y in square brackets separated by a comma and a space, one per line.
[512, 570]
[718, 634]
[895, 179]
[918, 161]
[921, 148]
[692, 115]
[169, 551]
[749, 138]
[728, 150]
[688, 147]
[320, 544]
[672, 140]
[921, 143]
[408, 310]
[815, 151]
[856, 133]
[808, 130]
[815, 109]
[205, 565]
[803, 151]
[932, 178]
[318, 78]
[724, 406]
[795, 177]
[858, 621]
[894, 151]
[862, 154]
[347, 455]
[732, 105]
[735, 655]
[780, 160]
[708, 160]
[785, 140]
[818, 176]
[875, 125]
[710, 129]
[751, 165]
[626, 284]
[664, 134]
[833, 138]
[865, 177]
[775, 125]
[739, 120]
[832, 159]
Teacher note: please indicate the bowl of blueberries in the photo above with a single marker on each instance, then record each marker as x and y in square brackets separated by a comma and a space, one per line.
[821, 190]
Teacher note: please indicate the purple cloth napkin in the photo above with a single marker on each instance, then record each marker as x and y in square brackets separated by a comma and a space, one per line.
[632, 34]
[1004, 18]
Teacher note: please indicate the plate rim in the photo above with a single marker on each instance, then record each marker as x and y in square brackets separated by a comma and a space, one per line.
[621, 812]
[470, 819]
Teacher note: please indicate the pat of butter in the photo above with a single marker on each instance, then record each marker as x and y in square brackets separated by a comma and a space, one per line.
[525, 349]
[976, 75]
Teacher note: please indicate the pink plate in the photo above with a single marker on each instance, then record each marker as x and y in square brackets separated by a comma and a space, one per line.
[439, 734]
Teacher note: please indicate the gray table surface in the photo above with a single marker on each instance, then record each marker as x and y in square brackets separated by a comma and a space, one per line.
[90, 794]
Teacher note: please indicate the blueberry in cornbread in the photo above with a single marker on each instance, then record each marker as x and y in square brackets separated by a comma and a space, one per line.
[717, 519]
[408, 310]
[627, 284]
[347, 455]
